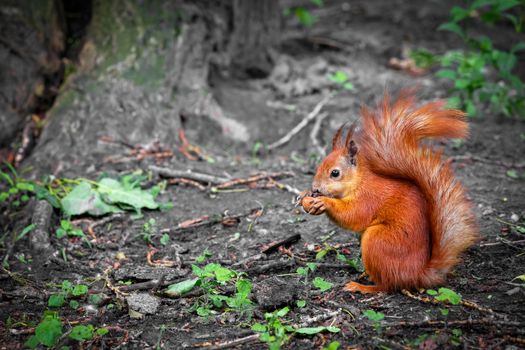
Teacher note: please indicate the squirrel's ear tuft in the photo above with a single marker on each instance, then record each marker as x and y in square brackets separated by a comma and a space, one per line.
[350, 145]
[337, 140]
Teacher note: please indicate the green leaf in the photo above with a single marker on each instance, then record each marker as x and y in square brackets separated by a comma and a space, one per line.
[470, 108]
[244, 288]
[348, 86]
[32, 342]
[82, 333]
[320, 283]
[518, 47]
[317, 2]
[520, 277]
[79, 289]
[315, 330]
[321, 254]
[258, 327]
[373, 315]
[282, 312]
[303, 271]
[301, 303]
[305, 16]
[24, 232]
[84, 199]
[446, 73]
[338, 77]
[332, 346]
[56, 300]
[452, 27]
[512, 173]
[67, 286]
[203, 311]
[43, 193]
[431, 292]
[48, 331]
[102, 331]
[444, 312]
[449, 295]
[164, 239]
[61, 233]
[223, 275]
[311, 266]
[25, 186]
[459, 13]
[114, 192]
[181, 288]
[74, 304]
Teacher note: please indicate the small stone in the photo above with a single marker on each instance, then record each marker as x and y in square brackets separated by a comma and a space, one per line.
[143, 303]
[514, 217]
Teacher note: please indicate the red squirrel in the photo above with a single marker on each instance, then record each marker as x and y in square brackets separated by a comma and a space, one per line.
[399, 194]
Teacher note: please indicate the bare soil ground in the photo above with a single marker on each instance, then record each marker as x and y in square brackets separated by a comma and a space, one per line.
[365, 37]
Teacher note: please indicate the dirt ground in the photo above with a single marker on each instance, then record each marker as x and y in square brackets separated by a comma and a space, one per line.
[363, 38]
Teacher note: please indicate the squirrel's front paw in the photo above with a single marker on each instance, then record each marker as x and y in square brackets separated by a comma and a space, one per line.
[313, 205]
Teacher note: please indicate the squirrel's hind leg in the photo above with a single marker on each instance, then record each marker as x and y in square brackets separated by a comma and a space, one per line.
[362, 288]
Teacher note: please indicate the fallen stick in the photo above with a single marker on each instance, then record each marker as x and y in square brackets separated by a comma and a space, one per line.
[188, 174]
[285, 242]
[311, 116]
[466, 303]
[254, 178]
[315, 131]
[471, 322]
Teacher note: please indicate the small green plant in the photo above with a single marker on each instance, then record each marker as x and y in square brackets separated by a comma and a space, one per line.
[332, 346]
[210, 278]
[48, 331]
[18, 190]
[304, 16]
[445, 294]
[376, 318]
[341, 79]
[149, 229]
[67, 291]
[276, 332]
[322, 284]
[484, 74]
[354, 263]
[305, 271]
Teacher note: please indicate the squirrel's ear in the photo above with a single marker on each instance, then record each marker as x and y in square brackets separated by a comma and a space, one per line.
[350, 145]
[337, 140]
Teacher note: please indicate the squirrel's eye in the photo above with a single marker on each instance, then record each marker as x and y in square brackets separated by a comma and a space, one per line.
[335, 173]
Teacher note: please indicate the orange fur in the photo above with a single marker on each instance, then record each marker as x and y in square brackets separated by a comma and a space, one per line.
[399, 194]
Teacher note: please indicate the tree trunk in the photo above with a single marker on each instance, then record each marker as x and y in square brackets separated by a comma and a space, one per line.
[256, 28]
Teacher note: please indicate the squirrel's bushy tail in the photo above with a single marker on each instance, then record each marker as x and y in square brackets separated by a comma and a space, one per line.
[391, 146]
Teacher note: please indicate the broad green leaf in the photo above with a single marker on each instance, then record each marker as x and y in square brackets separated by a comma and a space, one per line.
[315, 330]
[282, 312]
[223, 274]
[48, 331]
[182, 287]
[84, 199]
[305, 16]
[512, 174]
[333, 345]
[300, 303]
[82, 332]
[43, 193]
[114, 192]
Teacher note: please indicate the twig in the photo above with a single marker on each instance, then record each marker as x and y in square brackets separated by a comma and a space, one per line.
[285, 242]
[110, 285]
[320, 318]
[502, 241]
[216, 345]
[254, 178]
[315, 131]
[188, 174]
[312, 115]
[466, 303]
[471, 322]
[156, 263]
[281, 186]
[187, 181]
